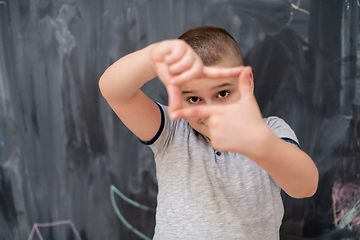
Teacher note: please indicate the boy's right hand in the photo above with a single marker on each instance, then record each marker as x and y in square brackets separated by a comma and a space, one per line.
[175, 63]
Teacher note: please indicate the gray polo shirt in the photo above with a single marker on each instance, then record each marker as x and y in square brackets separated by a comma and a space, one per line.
[204, 194]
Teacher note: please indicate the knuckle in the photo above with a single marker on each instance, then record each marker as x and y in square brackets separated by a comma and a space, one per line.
[214, 123]
[181, 45]
[178, 68]
[186, 63]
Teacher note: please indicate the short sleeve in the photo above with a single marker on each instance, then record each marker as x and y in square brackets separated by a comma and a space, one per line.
[282, 130]
[162, 139]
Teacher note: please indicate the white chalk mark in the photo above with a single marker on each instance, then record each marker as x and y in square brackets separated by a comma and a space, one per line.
[63, 35]
[296, 7]
[51, 224]
[113, 191]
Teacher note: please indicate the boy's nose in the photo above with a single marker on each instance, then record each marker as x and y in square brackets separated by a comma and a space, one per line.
[201, 121]
[208, 101]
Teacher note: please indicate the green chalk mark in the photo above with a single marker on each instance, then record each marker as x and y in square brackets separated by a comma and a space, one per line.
[349, 216]
[113, 190]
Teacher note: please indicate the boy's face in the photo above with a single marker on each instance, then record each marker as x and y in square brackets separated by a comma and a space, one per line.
[208, 92]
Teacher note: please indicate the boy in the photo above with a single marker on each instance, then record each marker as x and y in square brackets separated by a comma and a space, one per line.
[219, 164]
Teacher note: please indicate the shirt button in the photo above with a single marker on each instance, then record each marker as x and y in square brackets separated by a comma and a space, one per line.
[218, 153]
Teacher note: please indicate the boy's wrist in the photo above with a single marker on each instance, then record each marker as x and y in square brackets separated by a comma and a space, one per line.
[149, 49]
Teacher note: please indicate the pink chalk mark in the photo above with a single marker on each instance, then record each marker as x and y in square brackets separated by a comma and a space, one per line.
[345, 196]
[52, 224]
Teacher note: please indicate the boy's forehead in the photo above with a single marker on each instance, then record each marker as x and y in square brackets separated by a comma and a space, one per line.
[208, 84]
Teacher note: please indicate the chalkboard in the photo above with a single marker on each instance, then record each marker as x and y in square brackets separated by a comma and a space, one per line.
[69, 169]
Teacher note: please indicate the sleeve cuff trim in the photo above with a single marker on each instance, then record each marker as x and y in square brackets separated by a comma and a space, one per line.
[291, 141]
[160, 129]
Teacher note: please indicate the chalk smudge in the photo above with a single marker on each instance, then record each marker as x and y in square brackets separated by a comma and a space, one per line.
[2, 143]
[52, 224]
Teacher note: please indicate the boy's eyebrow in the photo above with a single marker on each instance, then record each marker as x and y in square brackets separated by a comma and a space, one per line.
[223, 85]
[186, 92]
[214, 87]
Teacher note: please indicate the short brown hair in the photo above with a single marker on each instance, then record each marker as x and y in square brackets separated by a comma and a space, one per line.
[214, 45]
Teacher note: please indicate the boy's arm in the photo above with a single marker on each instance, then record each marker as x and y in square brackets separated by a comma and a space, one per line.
[291, 168]
[120, 85]
[239, 127]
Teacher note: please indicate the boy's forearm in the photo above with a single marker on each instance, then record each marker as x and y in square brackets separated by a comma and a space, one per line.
[292, 169]
[126, 76]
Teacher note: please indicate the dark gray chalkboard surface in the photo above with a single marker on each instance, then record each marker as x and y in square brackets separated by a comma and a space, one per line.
[63, 150]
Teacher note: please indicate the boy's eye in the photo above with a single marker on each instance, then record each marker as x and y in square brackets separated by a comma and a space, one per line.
[194, 99]
[223, 94]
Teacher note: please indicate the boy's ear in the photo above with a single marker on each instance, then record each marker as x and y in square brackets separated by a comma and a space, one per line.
[251, 80]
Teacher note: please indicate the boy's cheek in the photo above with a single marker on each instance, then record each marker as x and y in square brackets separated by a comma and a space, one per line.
[234, 97]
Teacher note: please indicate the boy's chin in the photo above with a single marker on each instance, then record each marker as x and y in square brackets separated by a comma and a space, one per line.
[202, 132]
[199, 127]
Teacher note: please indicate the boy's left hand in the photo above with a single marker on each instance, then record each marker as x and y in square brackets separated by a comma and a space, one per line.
[236, 127]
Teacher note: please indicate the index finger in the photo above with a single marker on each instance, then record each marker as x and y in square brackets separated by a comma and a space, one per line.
[216, 72]
[199, 112]
[197, 72]
[245, 83]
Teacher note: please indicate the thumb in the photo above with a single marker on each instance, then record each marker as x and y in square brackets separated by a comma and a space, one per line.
[245, 82]
[174, 94]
